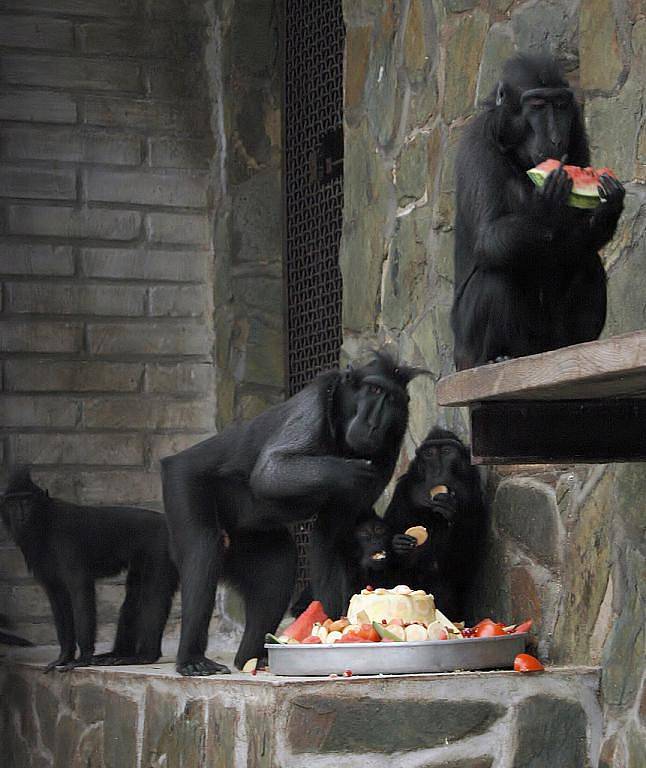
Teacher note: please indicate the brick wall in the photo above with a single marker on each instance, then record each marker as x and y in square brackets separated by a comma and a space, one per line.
[106, 209]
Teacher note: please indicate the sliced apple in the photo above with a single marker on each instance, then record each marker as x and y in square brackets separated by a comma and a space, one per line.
[388, 634]
[414, 632]
[363, 618]
[434, 631]
[397, 630]
[339, 625]
[447, 623]
[320, 632]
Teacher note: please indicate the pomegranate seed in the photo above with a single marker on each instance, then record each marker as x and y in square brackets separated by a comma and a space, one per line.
[347, 673]
[369, 588]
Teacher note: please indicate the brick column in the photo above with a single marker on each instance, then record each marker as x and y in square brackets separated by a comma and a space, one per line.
[106, 208]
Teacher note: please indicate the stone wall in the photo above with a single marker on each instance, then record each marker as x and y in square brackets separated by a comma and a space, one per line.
[566, 544]
[143, 718]
[248, 234]
[139, 246]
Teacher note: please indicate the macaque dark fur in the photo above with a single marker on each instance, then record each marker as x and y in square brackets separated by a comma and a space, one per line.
[528, 277]
[447, 562]
[353, 553]
[328, 451]
[67, 547]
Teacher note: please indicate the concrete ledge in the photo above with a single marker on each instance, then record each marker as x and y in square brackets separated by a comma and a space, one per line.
[150, 717]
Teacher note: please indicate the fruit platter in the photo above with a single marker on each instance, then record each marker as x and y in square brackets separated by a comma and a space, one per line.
[392, 631]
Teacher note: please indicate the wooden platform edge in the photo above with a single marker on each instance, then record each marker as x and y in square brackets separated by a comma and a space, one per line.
[611, 367]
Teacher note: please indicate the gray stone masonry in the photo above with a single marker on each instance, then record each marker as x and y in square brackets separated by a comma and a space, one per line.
[149, 716]
[565, 545]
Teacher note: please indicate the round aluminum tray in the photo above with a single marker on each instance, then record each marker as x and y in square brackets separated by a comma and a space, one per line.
[396, 658]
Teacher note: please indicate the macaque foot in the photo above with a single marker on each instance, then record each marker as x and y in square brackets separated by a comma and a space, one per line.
[61, 661]
[201, 667]
[74, 664]
[102, 659]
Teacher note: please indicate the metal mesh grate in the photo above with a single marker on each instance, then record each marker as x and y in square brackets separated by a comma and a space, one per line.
[313, 196]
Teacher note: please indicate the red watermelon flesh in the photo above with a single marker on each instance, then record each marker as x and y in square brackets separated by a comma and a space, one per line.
[585, 192]
[302, 627]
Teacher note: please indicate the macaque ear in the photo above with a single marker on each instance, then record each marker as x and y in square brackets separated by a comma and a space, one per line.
[500, 94]
[349, 375]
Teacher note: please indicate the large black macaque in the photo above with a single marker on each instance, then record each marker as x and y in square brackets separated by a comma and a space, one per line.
[67, 547]
[328, 451]
[454, 517]
[528, 277]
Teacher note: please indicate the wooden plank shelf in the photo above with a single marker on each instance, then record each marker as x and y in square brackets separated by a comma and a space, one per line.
[584, 403]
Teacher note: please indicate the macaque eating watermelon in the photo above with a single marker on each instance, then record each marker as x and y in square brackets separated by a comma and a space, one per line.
[585, 181]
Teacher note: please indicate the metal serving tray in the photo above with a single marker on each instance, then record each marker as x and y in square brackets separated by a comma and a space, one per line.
[396, 658]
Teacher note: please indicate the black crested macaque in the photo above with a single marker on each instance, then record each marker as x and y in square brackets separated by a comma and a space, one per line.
[67, 547]
[528, 277]
[372, 539]
[362, 558]
[343, 564]
[328, 451]
[442, 492]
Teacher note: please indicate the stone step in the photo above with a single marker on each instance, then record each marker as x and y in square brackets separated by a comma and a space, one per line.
[149, 716]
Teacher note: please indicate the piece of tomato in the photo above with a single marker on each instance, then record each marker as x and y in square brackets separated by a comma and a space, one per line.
[311, 640]
[526, 663]
[351, 637]
[524, 627]
[369, 633]
[489, 630]
[483, 623]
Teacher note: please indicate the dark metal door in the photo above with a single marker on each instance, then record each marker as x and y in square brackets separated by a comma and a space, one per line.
[313, 197]
[313, 186]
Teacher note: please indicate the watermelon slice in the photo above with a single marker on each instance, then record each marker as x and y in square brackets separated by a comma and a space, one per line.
[302, 627]
[585, 192]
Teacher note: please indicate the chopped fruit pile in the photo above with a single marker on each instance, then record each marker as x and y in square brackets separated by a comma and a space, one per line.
[314, 627]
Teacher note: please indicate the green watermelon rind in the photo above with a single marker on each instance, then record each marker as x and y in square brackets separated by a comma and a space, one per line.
[576, 199]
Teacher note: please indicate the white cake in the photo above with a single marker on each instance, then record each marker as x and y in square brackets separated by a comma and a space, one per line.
[401, 602]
